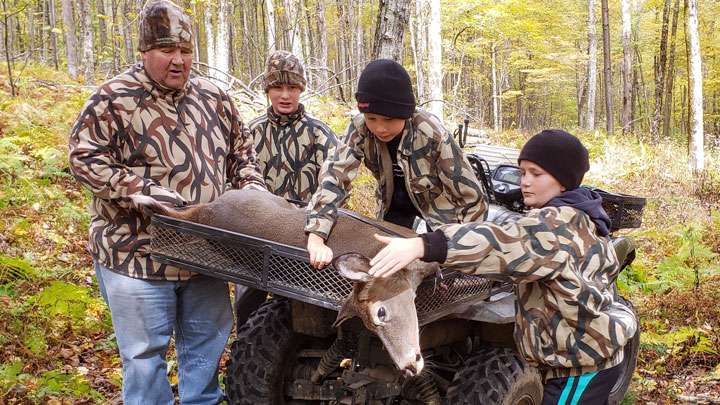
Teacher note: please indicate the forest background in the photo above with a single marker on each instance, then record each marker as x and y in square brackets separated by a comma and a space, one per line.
[637, 81]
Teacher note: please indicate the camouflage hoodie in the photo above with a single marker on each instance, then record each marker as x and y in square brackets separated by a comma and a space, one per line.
[178, 146]
[291, 150]
[438, 176]
[567, 322]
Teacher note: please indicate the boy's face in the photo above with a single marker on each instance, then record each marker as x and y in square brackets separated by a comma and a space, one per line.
[284, 98]
[384, 128]
[537, 185]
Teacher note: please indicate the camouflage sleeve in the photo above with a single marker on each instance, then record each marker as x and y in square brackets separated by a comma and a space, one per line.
[94, 157]
[336, 175]
[325, 142]
[243, 169]
[455, 172]
[533, 248]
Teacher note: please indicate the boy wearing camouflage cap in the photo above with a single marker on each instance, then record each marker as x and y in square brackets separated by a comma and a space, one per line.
[568, 323]
[420, 170]
[157, 131]
[291, 146]
[290, 143]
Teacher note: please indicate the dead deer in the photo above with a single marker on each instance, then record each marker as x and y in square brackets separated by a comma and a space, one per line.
[386, 306]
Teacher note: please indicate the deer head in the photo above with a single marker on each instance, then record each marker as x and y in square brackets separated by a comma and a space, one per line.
[386, 307]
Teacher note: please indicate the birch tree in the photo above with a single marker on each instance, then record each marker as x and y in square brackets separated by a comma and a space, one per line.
[695, 115]
[429, 55]
[271, 38]
[53, 31]
[592, 66]
[627, 68]
[292, 13]
[321, 48]
[209, 38]
[87, 42]
[222, 61]
[69, 36]
[392, 19]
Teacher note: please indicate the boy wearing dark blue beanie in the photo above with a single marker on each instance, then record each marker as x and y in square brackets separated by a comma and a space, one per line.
[568, 322]
[420, 170]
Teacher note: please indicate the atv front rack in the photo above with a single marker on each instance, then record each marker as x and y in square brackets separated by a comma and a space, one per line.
[285, 270]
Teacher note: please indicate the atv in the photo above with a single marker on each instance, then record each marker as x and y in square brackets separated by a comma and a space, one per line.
[289, 353]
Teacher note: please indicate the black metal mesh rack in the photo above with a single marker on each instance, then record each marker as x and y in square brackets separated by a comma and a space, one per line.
[625, 211]
[285, 270]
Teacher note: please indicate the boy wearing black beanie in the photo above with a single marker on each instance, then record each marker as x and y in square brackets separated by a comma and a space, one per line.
[560, 259]
[420, 170]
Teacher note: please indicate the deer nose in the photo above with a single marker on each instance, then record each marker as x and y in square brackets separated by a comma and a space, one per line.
[410, 372]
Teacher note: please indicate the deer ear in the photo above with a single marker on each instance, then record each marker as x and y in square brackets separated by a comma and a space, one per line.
[353, 266]
[347, 311]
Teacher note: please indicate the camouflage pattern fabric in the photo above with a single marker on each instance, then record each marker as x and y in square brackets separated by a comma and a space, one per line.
[567, 322]
[180, 147]
[438, 176]
[283, 67]
[291, 150]
[164, 24]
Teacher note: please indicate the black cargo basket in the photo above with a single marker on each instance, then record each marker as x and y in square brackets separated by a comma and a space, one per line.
[625, 211]
[285, 270]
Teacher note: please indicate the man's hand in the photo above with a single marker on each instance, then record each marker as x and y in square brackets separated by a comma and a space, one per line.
[320, 254]
[398, 254]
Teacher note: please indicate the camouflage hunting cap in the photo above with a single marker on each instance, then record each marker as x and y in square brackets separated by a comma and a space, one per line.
[283, 67]
[164, 24]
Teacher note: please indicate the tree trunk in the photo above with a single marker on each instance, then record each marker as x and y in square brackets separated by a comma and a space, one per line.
[103, 55]
[429, 55]
[496, 112]
[661, 61]
[222, 43]
[695, 115]
[607, 72]
[670, 73]
[321, 49]
[627, 67]
[70, 39]
[592, 66]
[30, 9]
[392, 18]
[209, 39]
[87, 41]
[53, 34]
[271, 37]
[127, 24]
[292, 14]
[6, 40]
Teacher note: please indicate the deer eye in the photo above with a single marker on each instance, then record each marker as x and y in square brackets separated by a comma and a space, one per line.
[381, 314]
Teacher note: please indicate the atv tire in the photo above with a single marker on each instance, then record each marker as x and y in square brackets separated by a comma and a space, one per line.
[631, 350]
[264, 352]
[495, 376]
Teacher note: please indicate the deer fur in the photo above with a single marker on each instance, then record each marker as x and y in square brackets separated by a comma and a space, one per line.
[385, 305]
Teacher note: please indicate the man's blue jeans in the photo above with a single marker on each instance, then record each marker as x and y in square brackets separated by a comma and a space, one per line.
[145, 315]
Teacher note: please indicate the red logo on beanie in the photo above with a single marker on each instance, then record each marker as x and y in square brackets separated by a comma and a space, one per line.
[363, 105]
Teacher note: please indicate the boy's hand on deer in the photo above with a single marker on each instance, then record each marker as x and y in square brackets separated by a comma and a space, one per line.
[398, 254]
[320, 254]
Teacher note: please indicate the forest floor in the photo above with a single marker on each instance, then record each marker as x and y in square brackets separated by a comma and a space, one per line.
[56, 339]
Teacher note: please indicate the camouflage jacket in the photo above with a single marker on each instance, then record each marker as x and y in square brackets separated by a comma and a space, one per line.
[438, 176]
[180, 146]
[567, 322]
[291, 150]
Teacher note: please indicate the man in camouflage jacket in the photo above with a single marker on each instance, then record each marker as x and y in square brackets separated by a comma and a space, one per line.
[428, 167]
[568, 323]
[156, 131]
[291, 146]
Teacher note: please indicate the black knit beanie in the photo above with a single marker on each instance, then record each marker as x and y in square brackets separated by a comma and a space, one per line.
[561, 154]
[384, 88]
